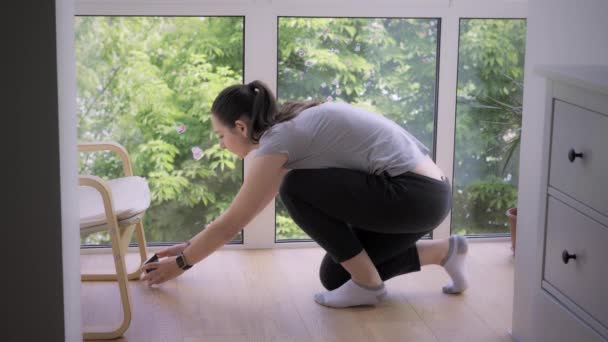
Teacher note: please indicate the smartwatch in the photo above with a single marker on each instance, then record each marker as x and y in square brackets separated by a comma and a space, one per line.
[181, 262]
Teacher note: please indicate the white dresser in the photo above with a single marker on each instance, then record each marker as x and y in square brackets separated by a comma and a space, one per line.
[570, 282]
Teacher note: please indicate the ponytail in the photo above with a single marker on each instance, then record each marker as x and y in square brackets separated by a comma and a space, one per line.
[263, 111]
[291, 109]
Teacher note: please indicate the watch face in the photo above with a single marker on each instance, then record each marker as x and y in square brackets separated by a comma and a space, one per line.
[181, 263]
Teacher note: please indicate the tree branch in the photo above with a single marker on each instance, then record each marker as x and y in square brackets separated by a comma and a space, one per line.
[103, 89]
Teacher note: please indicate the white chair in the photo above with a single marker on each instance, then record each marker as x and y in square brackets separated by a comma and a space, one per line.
[116, 206]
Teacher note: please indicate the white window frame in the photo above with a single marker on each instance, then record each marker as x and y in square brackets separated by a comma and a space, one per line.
[261, 17]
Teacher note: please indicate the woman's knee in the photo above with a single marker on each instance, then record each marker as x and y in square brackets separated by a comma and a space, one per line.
[332, 274]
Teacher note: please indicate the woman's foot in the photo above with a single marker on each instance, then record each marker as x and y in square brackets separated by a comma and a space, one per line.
[351, 294]
[454, 264]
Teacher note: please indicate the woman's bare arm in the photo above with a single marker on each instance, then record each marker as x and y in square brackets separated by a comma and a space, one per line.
[260, 186]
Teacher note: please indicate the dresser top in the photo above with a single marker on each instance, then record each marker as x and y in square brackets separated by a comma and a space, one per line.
[591, 77]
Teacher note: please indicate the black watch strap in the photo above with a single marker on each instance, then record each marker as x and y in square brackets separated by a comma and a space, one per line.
[182, 263]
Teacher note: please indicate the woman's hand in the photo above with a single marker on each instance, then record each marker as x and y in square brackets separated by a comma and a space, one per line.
[165, 269]
[173, 250]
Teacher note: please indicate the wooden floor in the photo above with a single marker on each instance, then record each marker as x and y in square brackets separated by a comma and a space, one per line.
[267, 295]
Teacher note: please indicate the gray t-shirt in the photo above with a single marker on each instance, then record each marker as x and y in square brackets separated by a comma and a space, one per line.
[343, 136]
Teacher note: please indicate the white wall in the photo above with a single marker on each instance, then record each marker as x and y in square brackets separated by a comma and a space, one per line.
[68, 166]
[559, 32]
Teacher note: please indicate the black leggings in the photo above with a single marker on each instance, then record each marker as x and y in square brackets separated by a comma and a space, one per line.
[346, 211]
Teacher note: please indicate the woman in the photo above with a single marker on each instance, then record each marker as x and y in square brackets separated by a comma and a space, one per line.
[358, 184]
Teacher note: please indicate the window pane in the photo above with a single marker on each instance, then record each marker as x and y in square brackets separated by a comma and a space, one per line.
[386, 65]
[488, 124]
[148, 84]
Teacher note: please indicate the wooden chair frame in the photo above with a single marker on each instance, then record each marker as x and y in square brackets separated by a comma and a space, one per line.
[120, 235]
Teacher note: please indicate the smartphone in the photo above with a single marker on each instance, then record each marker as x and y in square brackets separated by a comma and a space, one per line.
[153, 258]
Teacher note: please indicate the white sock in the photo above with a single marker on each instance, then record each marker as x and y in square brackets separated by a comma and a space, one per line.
[351, 294]
[455, 266]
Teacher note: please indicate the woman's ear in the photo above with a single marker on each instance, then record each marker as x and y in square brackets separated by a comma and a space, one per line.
[241, 127]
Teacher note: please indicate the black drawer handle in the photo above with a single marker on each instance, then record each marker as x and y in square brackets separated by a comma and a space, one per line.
[572, 155]
[566, 257]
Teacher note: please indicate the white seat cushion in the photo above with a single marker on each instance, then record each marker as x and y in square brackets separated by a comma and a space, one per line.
[130, 195]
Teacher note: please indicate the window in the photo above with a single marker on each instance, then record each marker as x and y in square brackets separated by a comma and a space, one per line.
[148, 84]
[488, 124]
[401, 59]
[387, 65]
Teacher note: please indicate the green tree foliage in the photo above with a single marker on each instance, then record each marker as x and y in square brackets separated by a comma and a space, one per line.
[389, 66]
[385, 65]
[138, 79]
[488, 123]
[482, 206]
[141, 77]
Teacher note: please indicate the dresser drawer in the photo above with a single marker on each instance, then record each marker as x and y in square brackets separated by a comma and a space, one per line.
[577, 130]
[557, 324]
[583, 280]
